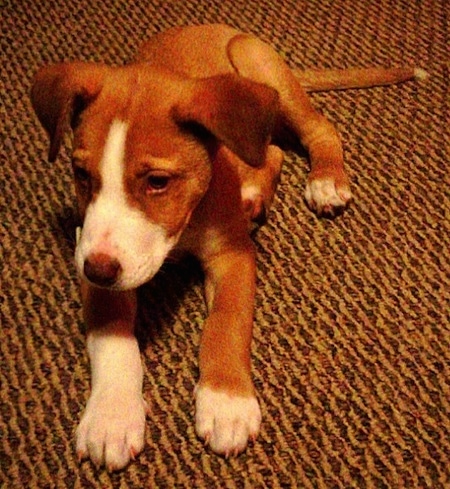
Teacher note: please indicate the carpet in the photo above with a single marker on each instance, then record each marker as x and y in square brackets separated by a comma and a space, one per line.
[351, 351]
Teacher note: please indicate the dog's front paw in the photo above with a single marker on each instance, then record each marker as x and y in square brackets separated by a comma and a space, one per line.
[224, 421]
[327, 197]
[111, 431]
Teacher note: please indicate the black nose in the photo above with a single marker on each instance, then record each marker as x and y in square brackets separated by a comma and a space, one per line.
[102, 269]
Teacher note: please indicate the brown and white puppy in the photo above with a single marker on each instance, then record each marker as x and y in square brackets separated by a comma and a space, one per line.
[177, 151]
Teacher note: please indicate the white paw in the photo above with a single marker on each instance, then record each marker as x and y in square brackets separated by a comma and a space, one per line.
[226, 422]
[253, 204]
[250, 192]
[325, 197]
[111, 431]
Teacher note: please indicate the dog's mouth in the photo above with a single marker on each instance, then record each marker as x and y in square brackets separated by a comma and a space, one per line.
[121, 267]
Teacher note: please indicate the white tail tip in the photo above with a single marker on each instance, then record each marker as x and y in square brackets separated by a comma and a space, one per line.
[420, 74]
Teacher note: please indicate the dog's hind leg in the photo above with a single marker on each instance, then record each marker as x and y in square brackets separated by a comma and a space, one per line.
[258, 185]
[327, 189]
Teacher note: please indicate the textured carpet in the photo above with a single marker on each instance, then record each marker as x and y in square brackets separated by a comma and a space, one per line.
[351, 353]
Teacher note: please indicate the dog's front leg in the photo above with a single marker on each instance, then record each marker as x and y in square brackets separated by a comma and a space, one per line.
[111, 431]
[227, 411]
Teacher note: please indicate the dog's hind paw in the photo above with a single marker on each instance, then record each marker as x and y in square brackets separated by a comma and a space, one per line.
[226, 422]
[326, 197]
[111, 431]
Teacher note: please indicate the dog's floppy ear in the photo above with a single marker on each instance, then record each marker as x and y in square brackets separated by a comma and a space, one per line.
[59, 92]
[237, 111]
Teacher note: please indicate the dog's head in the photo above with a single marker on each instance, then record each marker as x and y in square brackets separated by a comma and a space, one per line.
[143, 146]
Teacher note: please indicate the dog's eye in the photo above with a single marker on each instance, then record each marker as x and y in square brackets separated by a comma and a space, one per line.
[157, 183]
[81, 174]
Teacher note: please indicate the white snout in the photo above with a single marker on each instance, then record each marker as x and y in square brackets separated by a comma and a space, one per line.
[118, 245]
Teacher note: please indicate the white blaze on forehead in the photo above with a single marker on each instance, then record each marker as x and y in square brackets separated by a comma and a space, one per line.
[113, 227]
[111, 202]
[112, 165]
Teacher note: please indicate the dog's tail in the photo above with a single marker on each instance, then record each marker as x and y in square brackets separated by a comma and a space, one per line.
[323, 80]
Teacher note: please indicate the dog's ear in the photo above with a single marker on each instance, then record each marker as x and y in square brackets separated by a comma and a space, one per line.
[60, 92]
[237, 111]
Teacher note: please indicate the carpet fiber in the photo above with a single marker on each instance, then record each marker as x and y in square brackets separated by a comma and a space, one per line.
[351, 355]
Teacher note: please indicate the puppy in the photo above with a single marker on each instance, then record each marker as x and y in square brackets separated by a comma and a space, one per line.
[180, 151]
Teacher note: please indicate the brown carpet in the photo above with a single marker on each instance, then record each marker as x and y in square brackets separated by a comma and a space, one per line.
[352, 333]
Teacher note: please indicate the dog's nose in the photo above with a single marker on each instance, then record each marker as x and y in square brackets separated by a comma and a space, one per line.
[102, 269]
